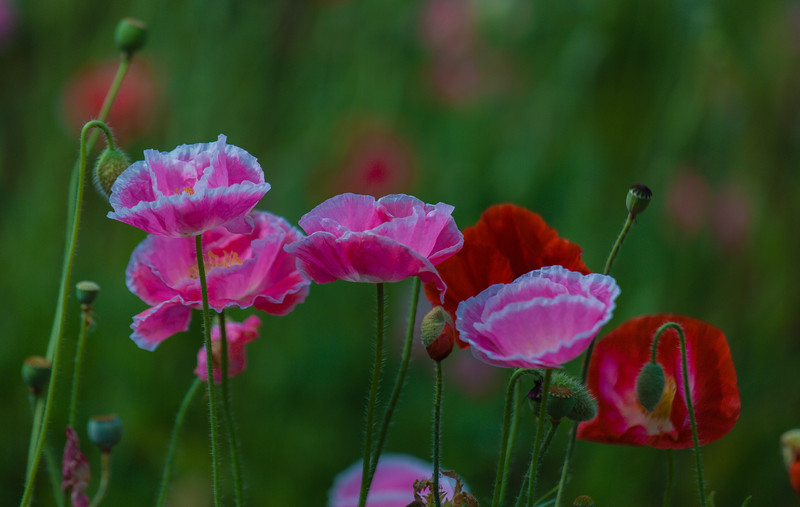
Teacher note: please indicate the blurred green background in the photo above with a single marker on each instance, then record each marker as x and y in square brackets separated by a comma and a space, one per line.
[556, 106]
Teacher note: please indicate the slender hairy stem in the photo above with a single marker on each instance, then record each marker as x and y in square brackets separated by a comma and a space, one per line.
[86, 321]
[545, 447]
[512, 439]
[373, 396]
[701, 484]
[437, 432]
[400, 380]
[50, 459]
[173, 441]
[502, 470]
[548, 374]
[229, 424]
[212, 392]
[105, 475]
[670, 478]
[40, 424]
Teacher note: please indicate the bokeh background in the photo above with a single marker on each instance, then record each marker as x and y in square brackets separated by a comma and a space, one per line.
[556, 106]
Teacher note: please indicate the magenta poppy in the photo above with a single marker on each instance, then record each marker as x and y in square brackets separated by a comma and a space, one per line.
[392, 485]
[356, 238]
[237, 335]
[75, 470]
[189, 190]
[619, 357]
[242, 270]
[540, 320]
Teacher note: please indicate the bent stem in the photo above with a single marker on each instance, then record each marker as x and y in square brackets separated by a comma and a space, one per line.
[173, 441]
[229, 425]
[548, 374]
[399, 381]
[105, 475]
[56, 345]
[437, 432]
[212, 394]
[701, 484]
[502, 463]
[373, 396]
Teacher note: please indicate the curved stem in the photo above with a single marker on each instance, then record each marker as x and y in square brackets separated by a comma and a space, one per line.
[502, 463]
[548, 374]
[437, 432]
[54, 350]
[86, 321]
[512, 438]
[701, 485]
[212, 395]
[229, 425]
[373, 396]
[173, 441]
[105, 475]
[399, 381]
[670, 478]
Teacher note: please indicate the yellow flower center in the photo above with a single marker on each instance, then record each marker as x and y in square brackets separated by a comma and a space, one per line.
[188, 190]
[212, 260]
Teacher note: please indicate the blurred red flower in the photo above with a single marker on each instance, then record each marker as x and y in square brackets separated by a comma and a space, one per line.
[507, 242]
[790, 446]
[619, 357]
[134, 108]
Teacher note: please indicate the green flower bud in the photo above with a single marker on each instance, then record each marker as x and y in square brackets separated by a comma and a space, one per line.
[584, 407]
[437, 333]
[638, 198]
[559, 402]
[109, 166]
[86, 291]
[105, 431]
[650, 385]
[130, 35]
[36, 373]
[583, 501]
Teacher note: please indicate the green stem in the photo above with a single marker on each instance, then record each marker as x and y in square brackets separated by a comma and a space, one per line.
[701, 485]
[437, 432]
[548, 374]
[212, 394]
[40, 424]
[670, 478]
[86, 320]
[512, 438]
[105, 475]
[502, 463]
[373, 396]
[545, 447]
[173, 441]
[399, 381]
[229, 424]
[50, 459]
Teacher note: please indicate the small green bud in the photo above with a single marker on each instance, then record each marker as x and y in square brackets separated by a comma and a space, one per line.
[105, 431]
[86, 291]
[36, 373]
[650, 385]
[583, 501]
[637, 199]
[437, 333]
[109, 166]
[130, 35]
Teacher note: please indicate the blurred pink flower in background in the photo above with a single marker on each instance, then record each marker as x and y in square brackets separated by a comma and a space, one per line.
[75, 470]
[242, 270]
[540, 320]
[237, 335]
[189, 190]
[359, 239]
[731, 217]
[8, 22]
[134, 110]
[392, 485]
[378, 162]
[687, 201]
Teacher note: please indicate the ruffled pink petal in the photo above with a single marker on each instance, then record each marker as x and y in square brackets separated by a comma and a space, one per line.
[419, 226]
[237, 335]
[342, 213]
[159, 322]
[159, 266]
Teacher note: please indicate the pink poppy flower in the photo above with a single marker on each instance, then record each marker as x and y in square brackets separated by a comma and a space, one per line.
[242, 270]
[619, 357]
[75, 471]
[189, 190]
[540, 320]
[356, 238]
[392, 485]
[237, 335]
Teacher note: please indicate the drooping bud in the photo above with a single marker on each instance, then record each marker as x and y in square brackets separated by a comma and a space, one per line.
[437, 333]
[637, 199]
[109, 166]
[36, 373]
[130, 35]
[105, 431]
[583, 501]
[650, 385]
[86, 291]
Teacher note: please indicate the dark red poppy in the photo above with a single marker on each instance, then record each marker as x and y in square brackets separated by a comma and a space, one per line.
[619, 357]
[507, 242]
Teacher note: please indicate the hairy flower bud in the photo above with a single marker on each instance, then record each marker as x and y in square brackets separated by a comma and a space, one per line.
[638, 198]
[650, 385]
[437, 333]
[86, 291]
[583, 501]
[109, 166]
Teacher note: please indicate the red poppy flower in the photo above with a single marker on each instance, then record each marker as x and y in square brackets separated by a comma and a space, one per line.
[619, 357]
[507, 242]
[790, 445]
